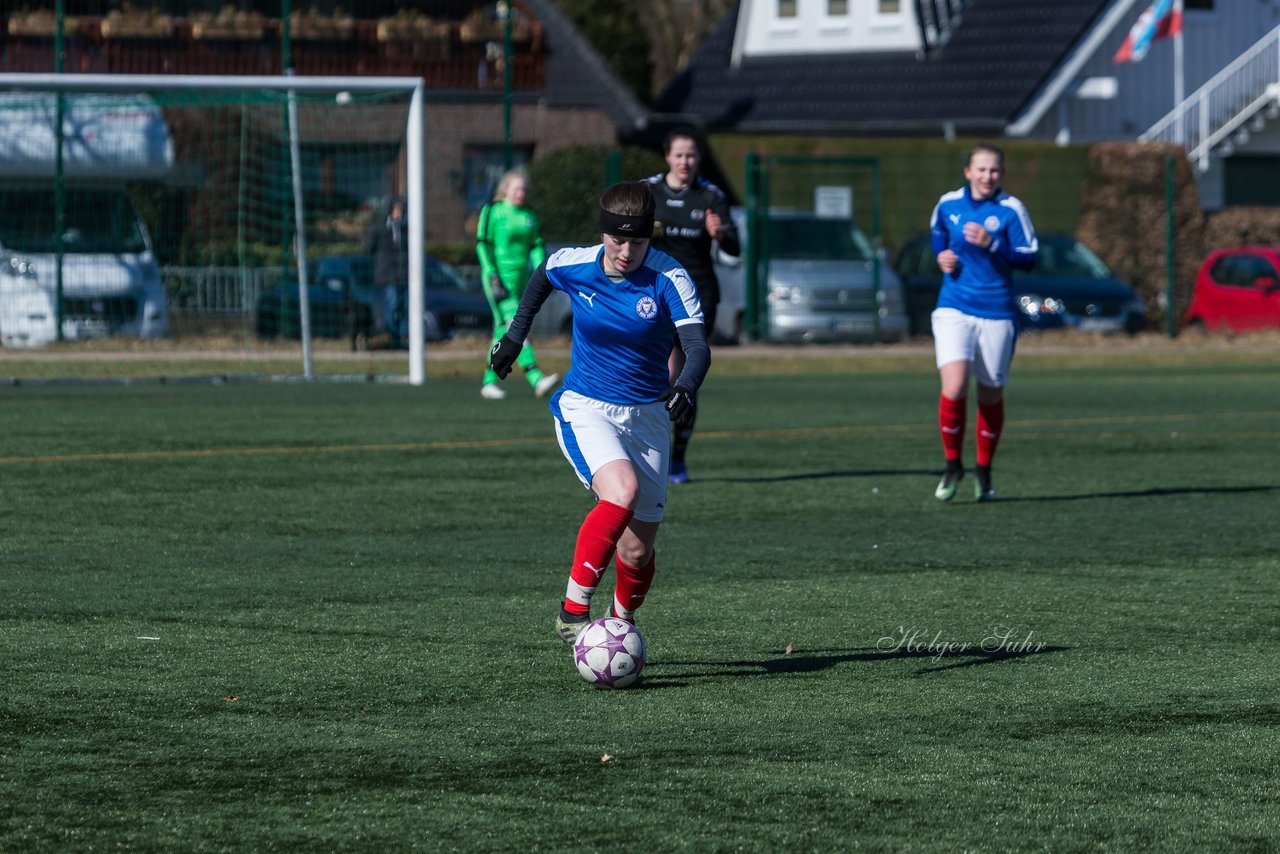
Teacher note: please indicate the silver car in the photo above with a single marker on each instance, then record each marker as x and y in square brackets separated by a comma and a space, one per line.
[821, 284]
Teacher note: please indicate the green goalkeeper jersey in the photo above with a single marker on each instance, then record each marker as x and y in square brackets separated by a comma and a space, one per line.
[509, 243]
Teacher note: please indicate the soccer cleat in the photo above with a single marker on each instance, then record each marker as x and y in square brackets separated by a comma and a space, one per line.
[568, 630]
[950, 480]
[982, 488]
[546, 385]
[492, 391]
[613, 615]
[679, 472]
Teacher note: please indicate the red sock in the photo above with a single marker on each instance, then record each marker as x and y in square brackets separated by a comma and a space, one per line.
[631, 586]
[951, 425]
[990, 423]
[597, 539]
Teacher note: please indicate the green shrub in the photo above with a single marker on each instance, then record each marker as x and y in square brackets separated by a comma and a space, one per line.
[566, 184]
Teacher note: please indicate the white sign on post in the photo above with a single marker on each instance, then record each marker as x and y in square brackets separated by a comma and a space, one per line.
[833, 202]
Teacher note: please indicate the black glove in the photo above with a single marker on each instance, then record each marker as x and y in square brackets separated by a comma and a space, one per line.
[503, 355]
[680, 405]
[497, 289]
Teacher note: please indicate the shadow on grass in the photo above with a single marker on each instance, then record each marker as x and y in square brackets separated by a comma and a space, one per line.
[824, 475]
[1155, 492]
[677, 673]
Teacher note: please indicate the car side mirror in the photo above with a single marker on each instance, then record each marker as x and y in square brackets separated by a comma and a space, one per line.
[1266, 283]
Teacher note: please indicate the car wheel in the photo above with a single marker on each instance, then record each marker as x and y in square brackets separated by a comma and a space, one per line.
[267, 321]
[735, 332]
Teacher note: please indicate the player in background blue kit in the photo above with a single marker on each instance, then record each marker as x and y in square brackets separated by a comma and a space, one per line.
[980, 235]
[631, 303]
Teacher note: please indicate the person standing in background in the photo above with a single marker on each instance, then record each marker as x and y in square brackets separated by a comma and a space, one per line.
[388, 243]
[509, 245]
[693, 216]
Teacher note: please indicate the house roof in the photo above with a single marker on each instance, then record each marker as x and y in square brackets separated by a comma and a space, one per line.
[998, 58]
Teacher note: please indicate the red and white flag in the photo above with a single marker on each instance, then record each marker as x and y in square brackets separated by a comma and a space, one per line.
[1162, 19]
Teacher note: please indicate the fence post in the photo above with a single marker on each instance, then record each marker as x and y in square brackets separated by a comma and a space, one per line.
[613, 167]
[751, 258]
[1170, 251]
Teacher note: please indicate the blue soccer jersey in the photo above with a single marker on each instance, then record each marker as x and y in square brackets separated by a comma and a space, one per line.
[982, 284]
[623, 330]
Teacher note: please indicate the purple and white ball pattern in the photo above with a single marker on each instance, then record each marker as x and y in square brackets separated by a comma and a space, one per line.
[609, 653]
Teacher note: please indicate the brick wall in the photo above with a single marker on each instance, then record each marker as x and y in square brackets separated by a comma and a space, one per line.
[451, 127]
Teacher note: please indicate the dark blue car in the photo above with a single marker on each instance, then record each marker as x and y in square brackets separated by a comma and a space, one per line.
[345, 304]
[1070, 287]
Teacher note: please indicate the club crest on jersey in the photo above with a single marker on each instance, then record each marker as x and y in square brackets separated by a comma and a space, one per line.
[696, 215]
[647, 308]
[991, 223]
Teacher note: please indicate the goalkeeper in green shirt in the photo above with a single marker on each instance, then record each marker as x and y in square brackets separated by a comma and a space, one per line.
[509, 244]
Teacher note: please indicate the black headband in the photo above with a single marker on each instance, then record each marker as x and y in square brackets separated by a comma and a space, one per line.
[622, 225]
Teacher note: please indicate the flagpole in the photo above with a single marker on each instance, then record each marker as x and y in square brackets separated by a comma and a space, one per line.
[1179, 73]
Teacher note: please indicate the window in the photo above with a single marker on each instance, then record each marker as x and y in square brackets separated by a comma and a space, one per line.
[837, 8]
[818, 239]
[786, 8]
[482, 169]
[1243, 271]
[890, 7]
[1068, 257]
[1200, 5]
[1256, 272]
[1250, 180]
[96, 221]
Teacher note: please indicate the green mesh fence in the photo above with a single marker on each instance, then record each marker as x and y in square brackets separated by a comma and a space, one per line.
[813, 269]
[170, 217]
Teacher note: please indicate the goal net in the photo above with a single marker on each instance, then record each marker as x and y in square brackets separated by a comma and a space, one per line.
[247, 225]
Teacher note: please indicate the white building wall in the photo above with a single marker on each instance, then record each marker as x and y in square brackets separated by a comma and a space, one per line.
[825, 26]
[1211, 40]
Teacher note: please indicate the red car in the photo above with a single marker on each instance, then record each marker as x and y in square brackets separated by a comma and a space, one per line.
[1237, 289]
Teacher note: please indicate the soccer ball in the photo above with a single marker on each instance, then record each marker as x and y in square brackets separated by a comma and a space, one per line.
[609, 653]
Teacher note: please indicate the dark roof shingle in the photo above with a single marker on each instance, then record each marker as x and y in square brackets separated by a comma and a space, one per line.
[995, 62]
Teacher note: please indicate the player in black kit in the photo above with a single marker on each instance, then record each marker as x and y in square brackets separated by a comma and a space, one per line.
[691, 214]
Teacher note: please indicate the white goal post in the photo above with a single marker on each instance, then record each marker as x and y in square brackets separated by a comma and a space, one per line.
[289, 85]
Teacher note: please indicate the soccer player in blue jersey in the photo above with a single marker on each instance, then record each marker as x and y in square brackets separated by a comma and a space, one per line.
[980, 235]
[630, 304]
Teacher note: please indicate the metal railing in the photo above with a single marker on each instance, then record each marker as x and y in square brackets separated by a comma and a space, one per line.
[230, 292]
[1221, 107]
[217, 291]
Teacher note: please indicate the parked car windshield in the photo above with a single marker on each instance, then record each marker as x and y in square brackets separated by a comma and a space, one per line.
[442, 276]
[1061, 255]
[817, 239]
[96, 221]
[437, 274]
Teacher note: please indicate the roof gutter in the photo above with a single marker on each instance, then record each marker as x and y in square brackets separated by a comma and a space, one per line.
[1060, 82]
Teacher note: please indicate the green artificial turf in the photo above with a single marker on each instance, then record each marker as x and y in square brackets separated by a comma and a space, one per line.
[268, 616]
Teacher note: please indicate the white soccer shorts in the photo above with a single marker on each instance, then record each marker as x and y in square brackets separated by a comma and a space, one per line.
[987, 343]
[592, 433]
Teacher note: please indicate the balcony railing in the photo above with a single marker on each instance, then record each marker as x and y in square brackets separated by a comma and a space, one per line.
[1238, 93]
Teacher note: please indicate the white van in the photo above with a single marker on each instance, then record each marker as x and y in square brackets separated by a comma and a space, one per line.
[110, 278]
